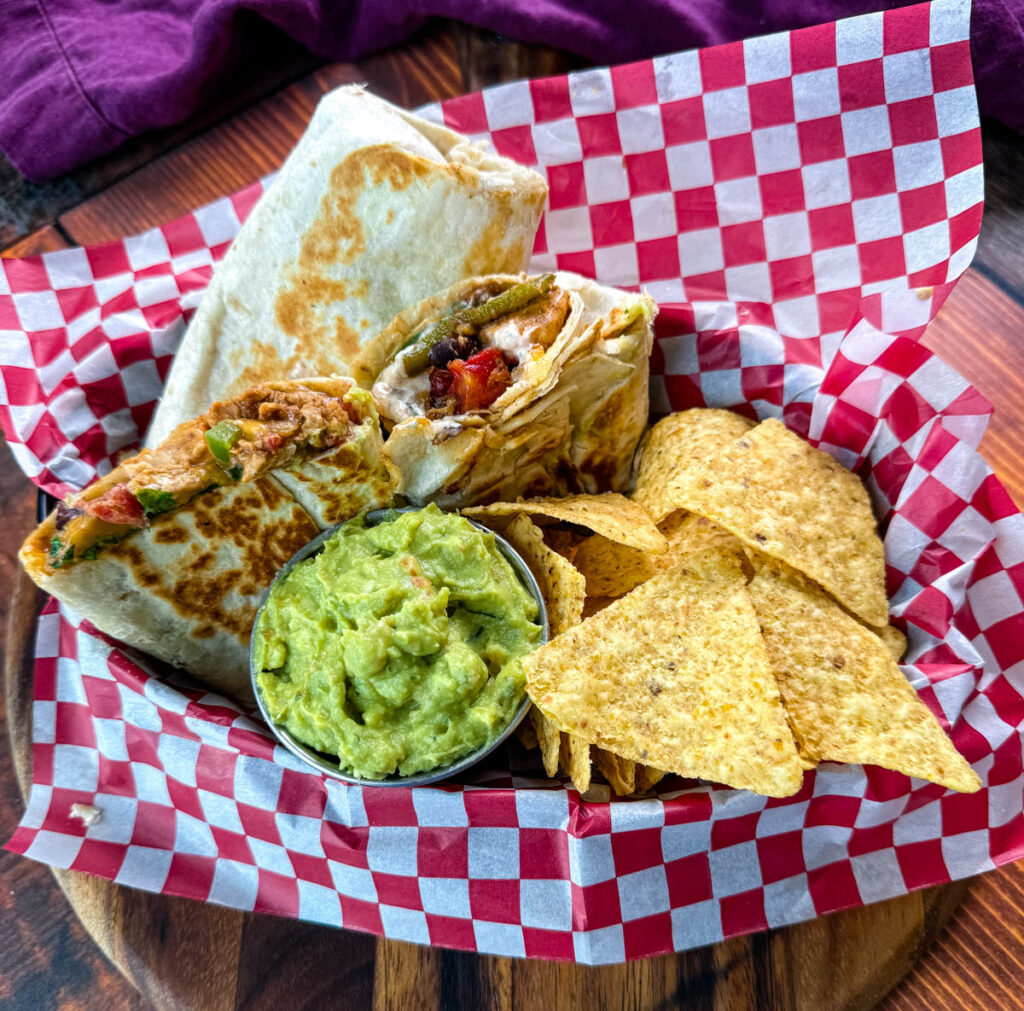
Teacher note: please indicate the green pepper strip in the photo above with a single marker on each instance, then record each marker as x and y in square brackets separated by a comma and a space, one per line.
[221, 438]
[154, 501]
[417, 358]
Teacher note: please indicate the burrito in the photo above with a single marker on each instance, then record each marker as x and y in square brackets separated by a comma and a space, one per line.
[373, 210]
[507, 385]
[170, 552]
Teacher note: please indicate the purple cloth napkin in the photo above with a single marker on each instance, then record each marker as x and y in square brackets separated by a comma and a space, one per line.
[81, 76]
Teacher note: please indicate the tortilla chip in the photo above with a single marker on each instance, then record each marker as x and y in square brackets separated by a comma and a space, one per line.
[613, 516]
[566, 542]
[893, 639]
[620, 772]
[594, 604]
[677, 443]
[783, 497]
[575, 755]
[687, 533]
[548, 738]
[526, 735]
[562, 587]
[648, 778]
[613, 569]
[674, 674]
[846, 699]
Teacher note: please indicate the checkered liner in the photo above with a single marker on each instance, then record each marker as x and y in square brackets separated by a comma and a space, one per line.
[800, 205]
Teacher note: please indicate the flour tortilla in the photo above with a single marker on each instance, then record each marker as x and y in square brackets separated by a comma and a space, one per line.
[569, 425]
[374, 210]
[185, 588]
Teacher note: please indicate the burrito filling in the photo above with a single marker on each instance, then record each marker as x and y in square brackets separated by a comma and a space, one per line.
[397, 647]
[462, 362]
[236, 440]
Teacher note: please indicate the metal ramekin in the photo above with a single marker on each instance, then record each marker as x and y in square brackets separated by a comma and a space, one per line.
[325, 763]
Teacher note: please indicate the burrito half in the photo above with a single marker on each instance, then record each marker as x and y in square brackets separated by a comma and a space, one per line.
[170, 552]
[509, 385]
[374, 210]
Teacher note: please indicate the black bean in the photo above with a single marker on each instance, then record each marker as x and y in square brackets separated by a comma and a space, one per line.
[458, 346]
[65, 514]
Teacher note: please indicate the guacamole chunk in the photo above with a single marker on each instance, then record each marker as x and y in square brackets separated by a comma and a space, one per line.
[397, 647]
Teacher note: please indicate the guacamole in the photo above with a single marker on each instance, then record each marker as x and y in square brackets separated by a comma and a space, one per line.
[396, 648]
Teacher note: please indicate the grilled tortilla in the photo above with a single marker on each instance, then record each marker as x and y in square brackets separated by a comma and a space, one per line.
[509, 385]
[374, 210]
[170, 551]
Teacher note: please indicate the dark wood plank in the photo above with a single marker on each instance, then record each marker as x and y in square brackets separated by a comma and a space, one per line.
[302, 966]
[1002, 231]
[488, 59]
[978, 332]
[45, 240]
[407, 977]
[978, 961]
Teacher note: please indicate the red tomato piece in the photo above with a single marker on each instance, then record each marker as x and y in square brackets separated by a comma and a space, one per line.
[117, 505]
[479, 381]
[440, 383]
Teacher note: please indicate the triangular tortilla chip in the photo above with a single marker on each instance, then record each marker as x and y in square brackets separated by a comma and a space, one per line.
[674, 674]
[676, 443]
[548, 737]
[613, 516]
[575, 758]
[564, 590]
[846, 699]
[563, 540]
[561, 585]
[613, 569]
[620, 772]
[783, 497]
[895, 641]
[647, 778]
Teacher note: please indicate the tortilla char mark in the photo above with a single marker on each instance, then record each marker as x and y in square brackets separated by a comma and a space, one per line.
[368, 482]
[241, 540]
[337, 237]
[491, 253]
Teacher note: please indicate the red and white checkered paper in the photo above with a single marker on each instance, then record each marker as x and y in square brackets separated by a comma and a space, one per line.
[800, 205]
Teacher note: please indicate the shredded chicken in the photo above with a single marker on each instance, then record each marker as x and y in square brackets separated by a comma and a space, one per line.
[273, 426]
[540, 322]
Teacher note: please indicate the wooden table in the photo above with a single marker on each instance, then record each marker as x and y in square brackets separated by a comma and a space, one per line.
[185, 954]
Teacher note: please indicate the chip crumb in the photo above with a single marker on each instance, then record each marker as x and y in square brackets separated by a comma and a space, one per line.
[87, 814]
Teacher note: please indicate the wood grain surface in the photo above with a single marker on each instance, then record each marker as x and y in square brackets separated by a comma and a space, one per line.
[173, 953]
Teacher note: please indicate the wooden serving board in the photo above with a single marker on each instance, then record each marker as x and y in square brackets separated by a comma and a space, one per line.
[184, 954]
